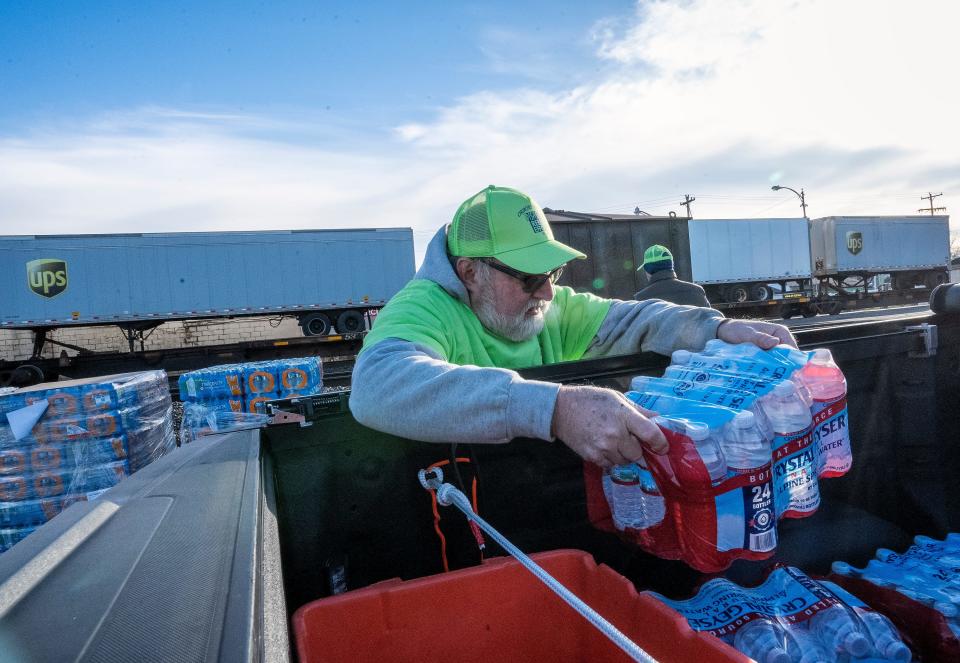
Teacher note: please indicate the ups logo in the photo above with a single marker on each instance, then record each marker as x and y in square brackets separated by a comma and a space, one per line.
[854, 242]
[47, 277]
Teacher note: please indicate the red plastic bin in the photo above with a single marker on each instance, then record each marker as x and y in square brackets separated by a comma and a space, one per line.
[498, 611]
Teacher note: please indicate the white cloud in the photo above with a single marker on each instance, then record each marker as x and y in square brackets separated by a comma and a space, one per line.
[853, 100]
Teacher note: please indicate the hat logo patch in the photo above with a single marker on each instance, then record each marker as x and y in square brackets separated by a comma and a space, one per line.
[532, 218]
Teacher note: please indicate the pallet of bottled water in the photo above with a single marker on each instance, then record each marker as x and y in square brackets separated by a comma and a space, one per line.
[232, 396]
[920, 590]
[751, 433]
[792, 618]
[63, 442]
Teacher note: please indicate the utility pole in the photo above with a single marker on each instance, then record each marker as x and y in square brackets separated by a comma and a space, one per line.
[932, 209]
[687, 199]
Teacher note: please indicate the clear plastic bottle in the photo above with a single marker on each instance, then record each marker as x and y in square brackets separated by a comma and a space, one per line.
[747, 451]
[838, 630]
[653, 504]
[708, 446]
[804, 647]
[763, 640]
[886, 639]
[828, 387]
[796, 488]
[744, 444]
[627, 498]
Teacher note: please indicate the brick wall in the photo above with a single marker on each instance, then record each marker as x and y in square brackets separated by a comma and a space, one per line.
[18, 344]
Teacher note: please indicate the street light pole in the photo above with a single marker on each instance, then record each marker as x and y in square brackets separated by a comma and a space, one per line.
[800, 195]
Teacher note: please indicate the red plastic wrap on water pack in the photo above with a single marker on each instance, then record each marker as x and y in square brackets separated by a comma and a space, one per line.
[689, 530]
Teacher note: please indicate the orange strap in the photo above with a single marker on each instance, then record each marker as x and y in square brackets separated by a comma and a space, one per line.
[436, 511]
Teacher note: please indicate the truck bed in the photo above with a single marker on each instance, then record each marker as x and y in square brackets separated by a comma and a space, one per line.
[205, 554]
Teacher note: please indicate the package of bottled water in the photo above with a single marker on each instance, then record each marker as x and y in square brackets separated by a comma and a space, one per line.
[300, 376]
[780, 412]
[255, 403]
[75, 439]
[244, 389]
[918, 589]
[792, 618]
[729, 477]
[260, 377]
[200, 420]
[715, 482]
[212, 382]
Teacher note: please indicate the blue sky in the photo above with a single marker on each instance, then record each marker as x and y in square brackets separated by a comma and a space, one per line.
[176, 116]
[366, 65]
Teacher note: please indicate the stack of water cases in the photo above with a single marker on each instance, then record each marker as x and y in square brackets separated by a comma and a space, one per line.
[751, 433]
[230, 397]
[91, 434]
[792, 618]
[919, 589]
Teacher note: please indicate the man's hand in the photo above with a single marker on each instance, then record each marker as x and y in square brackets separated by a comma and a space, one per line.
[603, 427]
[763, 334]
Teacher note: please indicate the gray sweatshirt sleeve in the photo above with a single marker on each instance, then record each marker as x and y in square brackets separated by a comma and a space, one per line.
[405, 389]
[653, 325]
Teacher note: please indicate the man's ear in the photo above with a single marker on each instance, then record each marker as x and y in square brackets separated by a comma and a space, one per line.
[467, 272]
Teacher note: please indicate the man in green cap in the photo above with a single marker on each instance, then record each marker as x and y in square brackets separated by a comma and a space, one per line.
[662, 281]
[440, 363]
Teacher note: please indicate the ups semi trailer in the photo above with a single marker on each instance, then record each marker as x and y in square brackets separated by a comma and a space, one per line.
[766, 266]
[327, 279]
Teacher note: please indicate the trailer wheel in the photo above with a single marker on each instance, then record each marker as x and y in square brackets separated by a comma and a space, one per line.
[26, 375]
[737, 294]
[760, 292]
[315, 324]
[349, 322]
[904, 280]
[833, 308]
[933, 279]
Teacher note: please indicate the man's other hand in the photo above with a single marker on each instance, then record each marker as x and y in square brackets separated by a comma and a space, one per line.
[763, 334]
[603, 427]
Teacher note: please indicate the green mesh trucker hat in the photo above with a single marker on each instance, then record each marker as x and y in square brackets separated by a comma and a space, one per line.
[507, 225]
[655, 253]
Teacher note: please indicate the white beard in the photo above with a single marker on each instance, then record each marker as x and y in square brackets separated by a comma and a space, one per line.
[512, 327]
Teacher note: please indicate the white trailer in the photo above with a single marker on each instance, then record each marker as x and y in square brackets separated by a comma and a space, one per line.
[740, 260]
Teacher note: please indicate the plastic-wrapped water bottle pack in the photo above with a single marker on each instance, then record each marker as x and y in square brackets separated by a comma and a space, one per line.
[919, 589]
[792, 618]
[64, 442]
[751, 433]
[229, 397]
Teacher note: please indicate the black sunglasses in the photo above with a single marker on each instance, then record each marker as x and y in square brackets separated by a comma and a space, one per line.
[529, 282]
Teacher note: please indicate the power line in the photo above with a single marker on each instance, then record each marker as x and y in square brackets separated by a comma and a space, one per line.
[687, 199]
